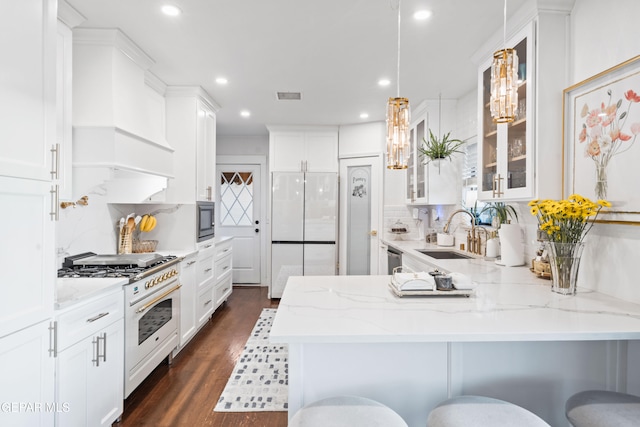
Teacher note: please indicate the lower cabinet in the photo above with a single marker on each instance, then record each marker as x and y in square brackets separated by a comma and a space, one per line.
[188, 294]
[27, 375]
[223, 272]
[90, 363]
[204, 304]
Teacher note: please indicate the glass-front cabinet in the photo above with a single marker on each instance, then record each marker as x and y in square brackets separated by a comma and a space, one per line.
[506, 154]
[416, 185]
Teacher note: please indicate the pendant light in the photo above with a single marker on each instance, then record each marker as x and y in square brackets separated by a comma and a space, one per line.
[398, 118]
[504, 81]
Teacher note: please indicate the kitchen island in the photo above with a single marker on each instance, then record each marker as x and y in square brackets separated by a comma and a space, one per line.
[514, 341]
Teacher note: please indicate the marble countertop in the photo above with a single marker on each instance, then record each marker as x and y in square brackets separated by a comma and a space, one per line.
[70, 291]
[362, 309]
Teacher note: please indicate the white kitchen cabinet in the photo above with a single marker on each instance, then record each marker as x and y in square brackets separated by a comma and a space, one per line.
[206, 153]
[27, 104]
[205, 282]
[188, 294]
[90, 362]
[223, 272]
[191, 131]
[26, 369]
[303, 150]
[522, 160]
[506, 158]
[27, 253]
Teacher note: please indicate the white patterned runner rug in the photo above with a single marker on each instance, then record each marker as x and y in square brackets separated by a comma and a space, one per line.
[259, 381]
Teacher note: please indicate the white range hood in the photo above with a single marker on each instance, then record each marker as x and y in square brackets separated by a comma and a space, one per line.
[118, 118]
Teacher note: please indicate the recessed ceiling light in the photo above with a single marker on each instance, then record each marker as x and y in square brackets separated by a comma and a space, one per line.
[171, 10]
[222, 81]
[384, 82]
[364, 115]
[245, 113]
[421, 15]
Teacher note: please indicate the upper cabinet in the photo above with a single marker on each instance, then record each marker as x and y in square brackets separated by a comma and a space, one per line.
[506, 157]
[303, 149]
[27, 104]
[523, 159]
[191, 130]
[435, 182]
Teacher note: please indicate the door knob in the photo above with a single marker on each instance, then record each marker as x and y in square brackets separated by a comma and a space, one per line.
[257, 230]
[373, 233]
[257, 222]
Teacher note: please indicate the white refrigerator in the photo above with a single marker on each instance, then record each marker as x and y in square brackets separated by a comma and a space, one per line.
[304, 226]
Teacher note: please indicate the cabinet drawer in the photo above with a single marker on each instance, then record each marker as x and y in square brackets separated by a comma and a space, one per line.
[223, 266]
[205, 303]
[204, 268]
[224, 286]
[223, 249]
[83, 320]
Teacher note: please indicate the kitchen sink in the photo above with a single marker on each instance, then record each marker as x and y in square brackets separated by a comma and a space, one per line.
[443, 254]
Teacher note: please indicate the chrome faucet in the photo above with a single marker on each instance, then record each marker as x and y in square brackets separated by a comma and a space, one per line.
[474, 244]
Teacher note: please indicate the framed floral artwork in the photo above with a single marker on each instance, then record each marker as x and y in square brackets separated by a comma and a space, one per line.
[600, 148]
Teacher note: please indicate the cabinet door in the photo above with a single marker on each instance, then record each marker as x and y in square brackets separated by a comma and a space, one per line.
[288, 151]
[26, 254]
[187, 300]
[321, 152]
[90, 376]
[63, 111]
[505, 156]
[27, 373]
[205, 148]
[205, 303]
[410, 184]
[27, 104]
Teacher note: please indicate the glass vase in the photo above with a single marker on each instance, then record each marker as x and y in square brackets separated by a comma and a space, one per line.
[565, 262]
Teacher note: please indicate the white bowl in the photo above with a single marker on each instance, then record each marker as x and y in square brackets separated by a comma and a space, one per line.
[445, 239]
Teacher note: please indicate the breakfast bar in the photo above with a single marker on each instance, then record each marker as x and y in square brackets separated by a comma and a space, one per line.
[511, 340]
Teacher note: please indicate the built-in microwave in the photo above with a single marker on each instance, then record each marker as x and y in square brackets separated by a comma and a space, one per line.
[205, 220]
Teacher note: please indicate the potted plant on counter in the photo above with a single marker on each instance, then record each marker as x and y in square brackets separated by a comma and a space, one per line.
[500, 213]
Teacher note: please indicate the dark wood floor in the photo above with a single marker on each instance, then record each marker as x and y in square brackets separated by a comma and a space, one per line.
[186, 393]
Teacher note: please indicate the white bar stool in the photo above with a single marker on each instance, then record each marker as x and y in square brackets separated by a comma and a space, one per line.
[480, 411]
[346, 411]
[599, 408]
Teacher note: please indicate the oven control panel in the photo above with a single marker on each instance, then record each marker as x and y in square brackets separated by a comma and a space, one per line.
[161, 277]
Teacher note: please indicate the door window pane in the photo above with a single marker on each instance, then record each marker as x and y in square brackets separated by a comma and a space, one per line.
[236, 198]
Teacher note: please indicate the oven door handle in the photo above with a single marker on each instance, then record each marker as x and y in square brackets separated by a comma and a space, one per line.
[155, 300]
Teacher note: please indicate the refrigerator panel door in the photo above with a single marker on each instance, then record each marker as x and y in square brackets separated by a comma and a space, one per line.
[320, 260]
[287, 206]
[286, 260]
[321, 207]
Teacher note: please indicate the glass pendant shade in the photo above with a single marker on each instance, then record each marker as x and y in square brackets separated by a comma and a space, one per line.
[398, 118]
[504, 86]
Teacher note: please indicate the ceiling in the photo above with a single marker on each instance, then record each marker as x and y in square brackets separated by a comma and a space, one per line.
[332, 51]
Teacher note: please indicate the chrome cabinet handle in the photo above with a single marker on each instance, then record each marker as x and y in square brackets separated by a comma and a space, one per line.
[99, 338]
[207, 270]
[99, 316]
[190, 263]
[53, 339]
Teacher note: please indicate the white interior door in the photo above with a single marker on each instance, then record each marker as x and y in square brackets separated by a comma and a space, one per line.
[360, 213]
[238, 215]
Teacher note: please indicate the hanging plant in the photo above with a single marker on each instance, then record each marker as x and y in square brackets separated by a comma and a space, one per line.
[439, 149]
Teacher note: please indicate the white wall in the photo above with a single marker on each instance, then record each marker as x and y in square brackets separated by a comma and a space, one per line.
[603, 35]
[242, 145]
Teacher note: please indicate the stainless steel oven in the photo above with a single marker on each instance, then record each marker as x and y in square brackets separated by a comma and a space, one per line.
[151, 324]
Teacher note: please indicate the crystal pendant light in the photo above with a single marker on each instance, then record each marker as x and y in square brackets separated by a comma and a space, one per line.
[504, 81]
[398, 118]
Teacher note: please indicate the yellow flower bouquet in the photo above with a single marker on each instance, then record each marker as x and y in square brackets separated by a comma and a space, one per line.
[566, 223]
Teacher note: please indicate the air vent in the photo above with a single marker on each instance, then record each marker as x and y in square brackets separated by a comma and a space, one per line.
[289, 96]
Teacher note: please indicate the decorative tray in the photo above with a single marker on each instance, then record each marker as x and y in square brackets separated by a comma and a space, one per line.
[430, 293]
